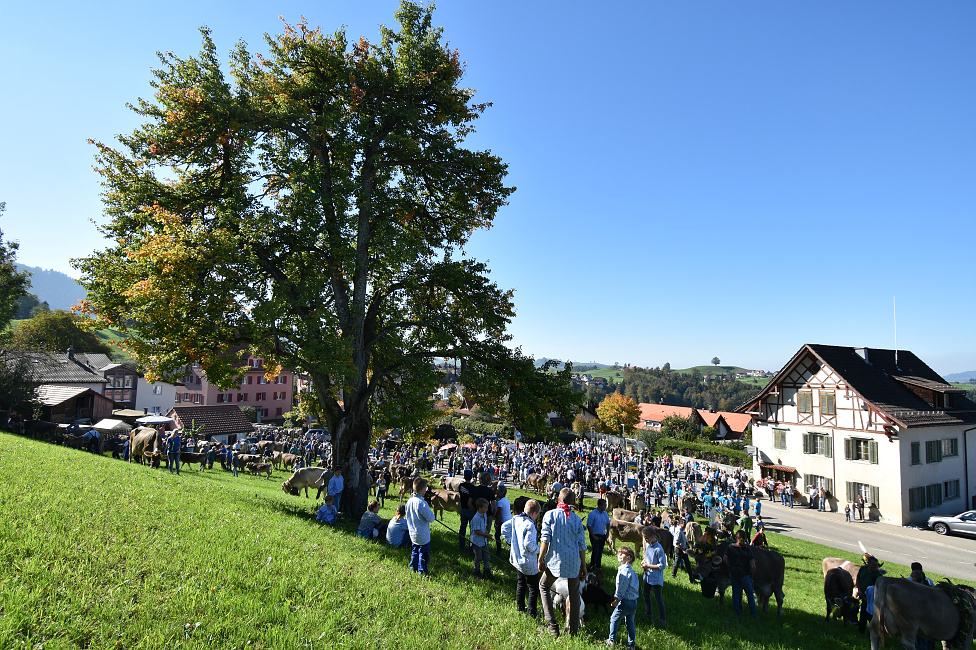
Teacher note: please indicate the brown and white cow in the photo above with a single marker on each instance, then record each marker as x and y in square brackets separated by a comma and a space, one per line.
[909, 609]
[838, 563]
[144, 441]
[628, 531]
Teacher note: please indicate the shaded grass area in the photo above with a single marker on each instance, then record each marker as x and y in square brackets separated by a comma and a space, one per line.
[100, 553]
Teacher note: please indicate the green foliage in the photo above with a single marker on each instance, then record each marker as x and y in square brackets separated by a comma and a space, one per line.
[477, 427]
[29, 305]
[680, 388]
[312, 207]
[679, 428]
[56, 330]
[13, 283]
[705, 451]
[250, 412]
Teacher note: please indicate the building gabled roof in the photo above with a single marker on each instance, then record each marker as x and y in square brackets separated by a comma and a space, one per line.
[875, 376]
[59, 368]
[216, 420]
[657, 412]
[52, 395]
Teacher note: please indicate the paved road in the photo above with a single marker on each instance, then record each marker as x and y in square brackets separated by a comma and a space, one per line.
[950, 556]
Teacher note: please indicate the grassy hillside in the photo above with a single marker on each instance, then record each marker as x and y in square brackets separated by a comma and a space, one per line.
[101, 553]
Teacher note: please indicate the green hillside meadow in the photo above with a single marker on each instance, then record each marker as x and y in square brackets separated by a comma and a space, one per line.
[98, 553]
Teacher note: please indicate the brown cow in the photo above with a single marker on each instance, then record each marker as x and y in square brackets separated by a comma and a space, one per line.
[259, 468]
[766, 581]
[538, 482]
[305, 477]
[441, 500]
[624, 515]
[143, 441]
[452, 483]
[838, 590]
[627, 531]
[406, 487]
[909, 609]
[614, 500]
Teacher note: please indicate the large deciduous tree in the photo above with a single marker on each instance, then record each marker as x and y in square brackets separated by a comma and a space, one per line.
[312, 208]
[13, 283]
[55, 331]
[617, 410]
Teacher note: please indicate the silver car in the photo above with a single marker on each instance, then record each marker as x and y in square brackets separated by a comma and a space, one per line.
[961, 523]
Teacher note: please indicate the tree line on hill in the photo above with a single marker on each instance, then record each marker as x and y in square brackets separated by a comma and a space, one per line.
[663, 386]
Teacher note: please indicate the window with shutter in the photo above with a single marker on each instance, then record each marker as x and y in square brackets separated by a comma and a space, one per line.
[916, 453]
[829, 484]
[951, 489]
[875, 496]
[933, 451]
[806, 443]
[848, 449]
[933, 495]
[873, 452]
[916, 498]
[827, 403]
[804, 402]
[950, 447]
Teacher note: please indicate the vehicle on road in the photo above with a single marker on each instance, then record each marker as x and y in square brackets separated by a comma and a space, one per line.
[962, 523]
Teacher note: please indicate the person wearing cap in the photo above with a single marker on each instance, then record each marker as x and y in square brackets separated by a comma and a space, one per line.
[466, 490]
[867, 575]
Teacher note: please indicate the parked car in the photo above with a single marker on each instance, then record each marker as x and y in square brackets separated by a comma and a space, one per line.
[962, 523]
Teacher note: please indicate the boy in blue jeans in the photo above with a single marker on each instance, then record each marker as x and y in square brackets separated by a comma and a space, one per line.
[480, 538]
[625, 598]
[419, 517]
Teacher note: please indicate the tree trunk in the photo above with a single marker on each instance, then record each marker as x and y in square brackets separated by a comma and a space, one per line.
[350, 448]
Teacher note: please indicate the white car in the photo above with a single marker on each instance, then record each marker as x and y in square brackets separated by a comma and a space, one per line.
[962, 523]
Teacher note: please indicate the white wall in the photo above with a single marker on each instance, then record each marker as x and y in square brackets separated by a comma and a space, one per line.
[147, 399]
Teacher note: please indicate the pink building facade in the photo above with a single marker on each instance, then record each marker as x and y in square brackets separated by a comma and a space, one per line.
[272, 398]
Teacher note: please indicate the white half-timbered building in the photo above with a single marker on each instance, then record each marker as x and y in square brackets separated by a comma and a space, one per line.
[870, 422]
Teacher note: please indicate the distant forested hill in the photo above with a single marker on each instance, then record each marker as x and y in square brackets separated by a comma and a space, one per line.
[662, 386]
[961, 377]
[59, 290]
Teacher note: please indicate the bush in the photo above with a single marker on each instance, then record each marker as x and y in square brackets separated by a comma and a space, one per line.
[705, 451]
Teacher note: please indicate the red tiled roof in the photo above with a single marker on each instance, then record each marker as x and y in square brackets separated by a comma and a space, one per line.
[657, 412]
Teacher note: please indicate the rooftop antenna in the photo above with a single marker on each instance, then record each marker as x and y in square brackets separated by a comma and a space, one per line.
[894, 316]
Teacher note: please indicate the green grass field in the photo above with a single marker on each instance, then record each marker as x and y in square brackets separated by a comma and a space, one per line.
[98, 553]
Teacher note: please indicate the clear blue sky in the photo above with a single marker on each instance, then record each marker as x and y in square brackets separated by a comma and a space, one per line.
[694, 179]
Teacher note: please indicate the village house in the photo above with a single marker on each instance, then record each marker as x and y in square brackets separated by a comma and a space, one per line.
[271, 397]
[728, 426]
[867, 422]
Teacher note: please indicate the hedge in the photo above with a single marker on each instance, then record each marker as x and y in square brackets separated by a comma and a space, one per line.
[705, 451]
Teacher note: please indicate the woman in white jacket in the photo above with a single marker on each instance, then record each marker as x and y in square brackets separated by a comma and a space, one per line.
[523, 536]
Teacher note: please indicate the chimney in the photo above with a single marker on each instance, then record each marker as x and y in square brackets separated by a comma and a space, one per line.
[71, 352]
[863, 353]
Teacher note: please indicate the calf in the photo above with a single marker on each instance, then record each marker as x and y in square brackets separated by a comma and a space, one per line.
[259, 468]
[838, 592]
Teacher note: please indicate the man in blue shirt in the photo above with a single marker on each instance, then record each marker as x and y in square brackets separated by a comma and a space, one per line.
[562, 554]
[597, 525]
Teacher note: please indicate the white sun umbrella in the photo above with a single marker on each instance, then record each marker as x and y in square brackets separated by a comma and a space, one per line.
[154, 419]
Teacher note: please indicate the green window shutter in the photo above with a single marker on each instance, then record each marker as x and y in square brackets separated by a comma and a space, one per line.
[873, 452]
[848, 449]
[916, 498]
[806, 443]
[828, 446]
[916, 453]
[875, 496]
[850, 491]
[829, 484]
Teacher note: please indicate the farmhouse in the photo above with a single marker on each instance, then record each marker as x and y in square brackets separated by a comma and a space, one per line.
[867, 422]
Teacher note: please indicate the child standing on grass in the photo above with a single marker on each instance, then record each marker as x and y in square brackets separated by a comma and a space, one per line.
[480, 538]
[327, 513]
[419, 517]
[625, 598]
